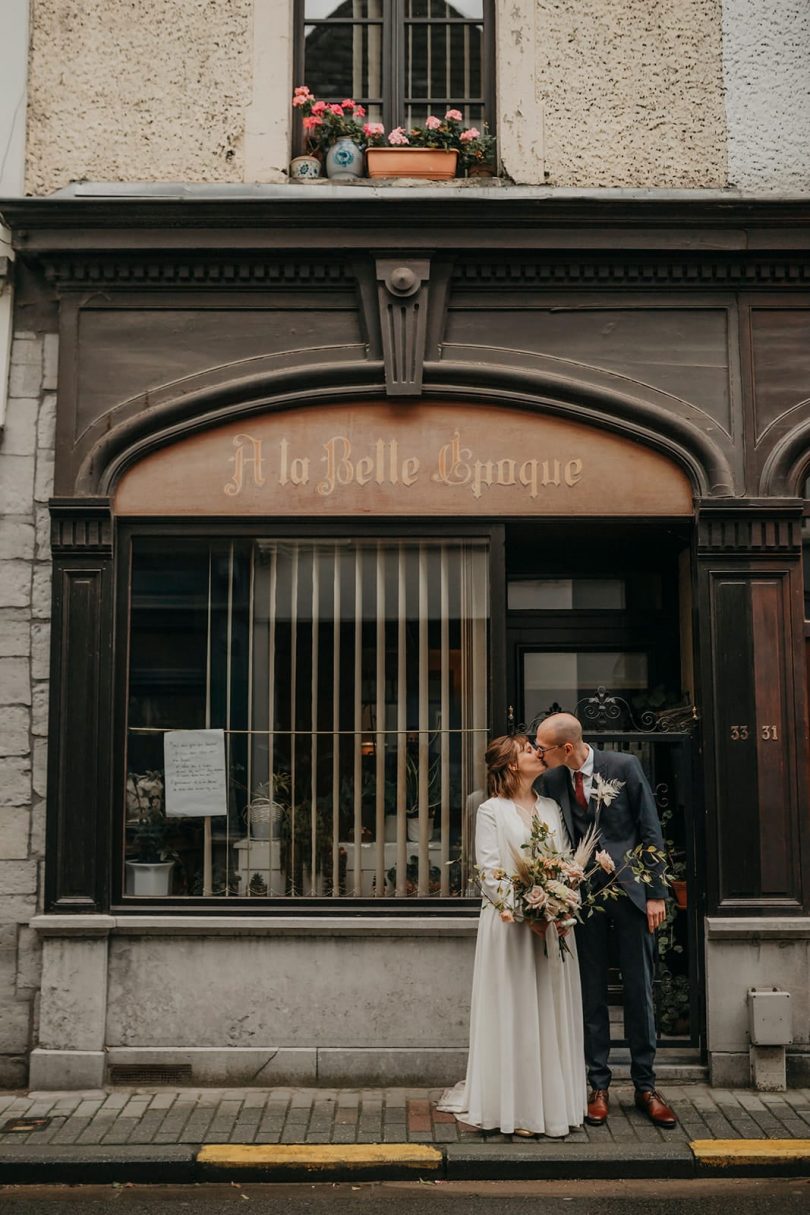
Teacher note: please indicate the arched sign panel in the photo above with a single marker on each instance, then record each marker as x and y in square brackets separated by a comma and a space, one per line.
[404, 460]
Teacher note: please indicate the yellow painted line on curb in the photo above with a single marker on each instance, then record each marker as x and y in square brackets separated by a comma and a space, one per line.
[722, 1152]
[320, 1155]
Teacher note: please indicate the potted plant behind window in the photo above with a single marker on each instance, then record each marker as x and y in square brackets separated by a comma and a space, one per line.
[149, 872]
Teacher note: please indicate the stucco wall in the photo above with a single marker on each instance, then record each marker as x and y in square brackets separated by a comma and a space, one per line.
[633, 92]
[152, 90]
[766, 53]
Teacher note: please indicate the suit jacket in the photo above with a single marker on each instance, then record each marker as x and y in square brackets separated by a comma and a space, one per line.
[630, 819]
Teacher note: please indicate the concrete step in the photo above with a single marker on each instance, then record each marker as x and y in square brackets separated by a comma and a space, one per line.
[673, 1065]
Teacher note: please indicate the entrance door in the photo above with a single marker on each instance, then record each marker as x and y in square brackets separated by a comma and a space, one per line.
[595, 628]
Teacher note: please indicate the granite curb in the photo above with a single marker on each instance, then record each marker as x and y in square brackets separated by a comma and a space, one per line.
[91, 1164]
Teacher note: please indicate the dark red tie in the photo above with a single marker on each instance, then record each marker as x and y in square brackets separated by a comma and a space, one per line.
[579, 791]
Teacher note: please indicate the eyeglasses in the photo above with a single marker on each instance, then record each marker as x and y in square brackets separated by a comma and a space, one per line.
[542, 750]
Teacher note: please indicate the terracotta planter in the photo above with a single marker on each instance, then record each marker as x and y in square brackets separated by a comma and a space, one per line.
[431, 164]
[679, 893]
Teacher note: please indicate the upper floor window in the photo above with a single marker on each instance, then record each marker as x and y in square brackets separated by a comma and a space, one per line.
[402, 59]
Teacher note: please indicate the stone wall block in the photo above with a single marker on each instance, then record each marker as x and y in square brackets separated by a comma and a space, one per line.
[16, 484]
[42, 523]
[15, 681]
[41, 591]
[15, 784]
[26, 350]
[15, 584]
[36, 839]
[16, 537]
[15, 1025]
[39, 710]
[14, 726]
[15, 632]
[43, 481]
[29, 960]
[46, 422]
[20, 430]
[39, 767]
[25, 379]
[17, 908]
[40, 649]
[50, 362]
[18, 877]
[15, 822]
[74, 994]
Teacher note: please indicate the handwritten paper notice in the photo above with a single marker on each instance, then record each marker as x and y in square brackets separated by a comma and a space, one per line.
[195, 773]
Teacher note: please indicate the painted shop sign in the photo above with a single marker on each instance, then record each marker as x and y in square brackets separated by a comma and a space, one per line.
[340, 466]
[382, 459]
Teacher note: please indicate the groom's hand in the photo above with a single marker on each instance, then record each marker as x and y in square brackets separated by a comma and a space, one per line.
[656, 913]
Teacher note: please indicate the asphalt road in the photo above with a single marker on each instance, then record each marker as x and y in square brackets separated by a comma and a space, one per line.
[743, 1197]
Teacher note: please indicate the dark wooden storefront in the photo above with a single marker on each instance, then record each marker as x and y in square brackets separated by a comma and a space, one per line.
[680, 326]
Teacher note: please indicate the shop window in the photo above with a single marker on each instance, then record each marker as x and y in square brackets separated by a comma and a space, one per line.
[349, 682]
[403, 59]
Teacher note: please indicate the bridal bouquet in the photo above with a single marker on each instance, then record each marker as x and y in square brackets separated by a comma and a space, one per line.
[551, 885]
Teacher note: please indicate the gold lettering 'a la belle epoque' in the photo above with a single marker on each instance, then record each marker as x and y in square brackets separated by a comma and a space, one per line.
[383, 461]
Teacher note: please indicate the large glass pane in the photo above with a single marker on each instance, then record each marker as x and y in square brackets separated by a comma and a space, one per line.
[443, 61]
[343, 60]
[564, 594]
[563, 678]
[349, 681]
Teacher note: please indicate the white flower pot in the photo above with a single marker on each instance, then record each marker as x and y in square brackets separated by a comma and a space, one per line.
[145, 878]
[413, 828]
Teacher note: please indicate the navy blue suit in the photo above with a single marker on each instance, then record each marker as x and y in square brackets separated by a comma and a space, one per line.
[630, 819]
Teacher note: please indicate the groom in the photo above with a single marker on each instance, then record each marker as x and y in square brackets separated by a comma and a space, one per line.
[628, 820]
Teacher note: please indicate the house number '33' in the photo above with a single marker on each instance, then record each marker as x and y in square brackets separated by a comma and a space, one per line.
[767, 733]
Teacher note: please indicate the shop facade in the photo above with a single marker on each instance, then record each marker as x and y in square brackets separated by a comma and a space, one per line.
[341, 499]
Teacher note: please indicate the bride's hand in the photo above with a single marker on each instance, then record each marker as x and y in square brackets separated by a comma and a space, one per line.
[562, 930]
[538, 927]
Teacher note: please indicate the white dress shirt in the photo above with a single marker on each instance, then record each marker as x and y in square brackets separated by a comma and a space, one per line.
[587, 775]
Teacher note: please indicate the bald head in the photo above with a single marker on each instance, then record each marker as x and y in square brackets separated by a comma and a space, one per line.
[560, 739]
[562, 728]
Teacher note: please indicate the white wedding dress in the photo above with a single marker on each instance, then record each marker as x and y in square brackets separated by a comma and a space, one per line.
[526, 1066]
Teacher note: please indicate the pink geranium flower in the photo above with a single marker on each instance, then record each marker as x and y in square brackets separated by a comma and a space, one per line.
[397, 137]
[347, 103]
[470, 133]
[301, 91]
[373, 128]
[359, 111]
[336, 110]
[312, 122]
[432, 123]
[453, 116]
[319, 107]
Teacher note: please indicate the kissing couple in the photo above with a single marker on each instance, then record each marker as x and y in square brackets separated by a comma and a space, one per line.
[539, 1021]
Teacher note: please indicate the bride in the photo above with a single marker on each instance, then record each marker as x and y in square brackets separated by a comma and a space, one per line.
[526, 1069]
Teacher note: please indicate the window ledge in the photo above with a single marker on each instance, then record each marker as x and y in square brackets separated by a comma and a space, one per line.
[160, 924]
[750, 928]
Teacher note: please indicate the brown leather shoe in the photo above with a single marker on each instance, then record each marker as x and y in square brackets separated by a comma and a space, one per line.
[656, 1109]
[598, 1102]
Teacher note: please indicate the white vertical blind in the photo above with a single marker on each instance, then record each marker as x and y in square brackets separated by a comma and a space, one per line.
[370, 659]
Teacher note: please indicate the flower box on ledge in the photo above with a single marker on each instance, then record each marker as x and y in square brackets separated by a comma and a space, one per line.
[431, 164]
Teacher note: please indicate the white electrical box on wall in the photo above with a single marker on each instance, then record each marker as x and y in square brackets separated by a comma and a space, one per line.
[770, 1019]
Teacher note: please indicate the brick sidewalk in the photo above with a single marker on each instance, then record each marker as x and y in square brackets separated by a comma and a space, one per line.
[393, 1115]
